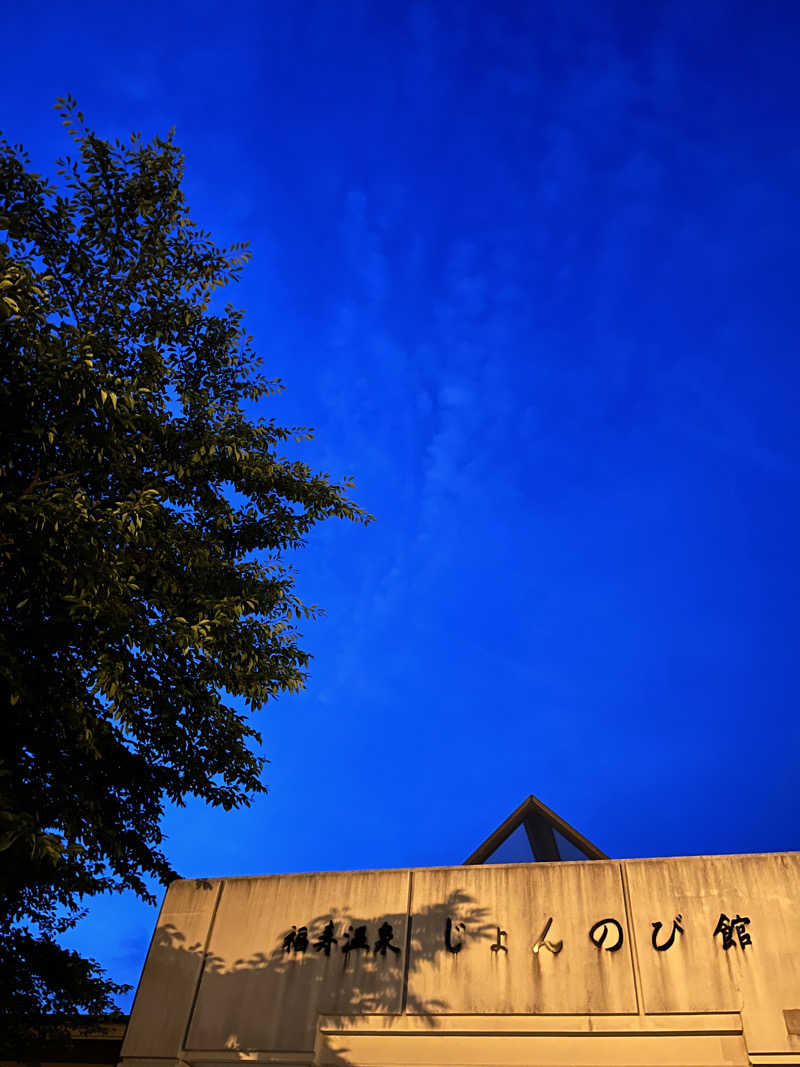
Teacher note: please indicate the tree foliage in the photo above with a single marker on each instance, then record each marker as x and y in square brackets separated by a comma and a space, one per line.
[145, 518]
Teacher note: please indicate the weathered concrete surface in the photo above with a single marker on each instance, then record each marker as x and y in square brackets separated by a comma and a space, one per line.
[255, 995]
[165, 997]
[218, 985]
[519, 900]
[697, 974]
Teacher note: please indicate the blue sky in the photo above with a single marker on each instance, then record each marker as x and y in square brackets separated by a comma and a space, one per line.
[529, 271]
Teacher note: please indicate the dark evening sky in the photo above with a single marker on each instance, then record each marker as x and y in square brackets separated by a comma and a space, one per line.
[526, 268]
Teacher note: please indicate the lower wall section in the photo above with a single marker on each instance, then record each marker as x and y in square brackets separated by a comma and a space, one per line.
[516, 1041]
[519, 1041]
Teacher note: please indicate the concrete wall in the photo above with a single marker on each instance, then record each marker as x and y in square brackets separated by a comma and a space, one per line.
[480, 965]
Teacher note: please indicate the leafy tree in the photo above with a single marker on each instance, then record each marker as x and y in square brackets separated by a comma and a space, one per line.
[145, 518]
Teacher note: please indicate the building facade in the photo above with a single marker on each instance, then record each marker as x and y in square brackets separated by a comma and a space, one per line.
[682, 961]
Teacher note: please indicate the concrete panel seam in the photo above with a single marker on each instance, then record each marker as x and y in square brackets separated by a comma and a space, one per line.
[637, 977]
[407, 961]
[209, 930]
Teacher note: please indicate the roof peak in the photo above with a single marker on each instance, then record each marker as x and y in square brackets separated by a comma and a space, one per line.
[534, 833]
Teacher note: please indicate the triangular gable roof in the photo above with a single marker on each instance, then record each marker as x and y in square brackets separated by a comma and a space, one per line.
[546, 834]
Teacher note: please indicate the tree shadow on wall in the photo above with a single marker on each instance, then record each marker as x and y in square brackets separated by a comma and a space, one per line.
[339, 963]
